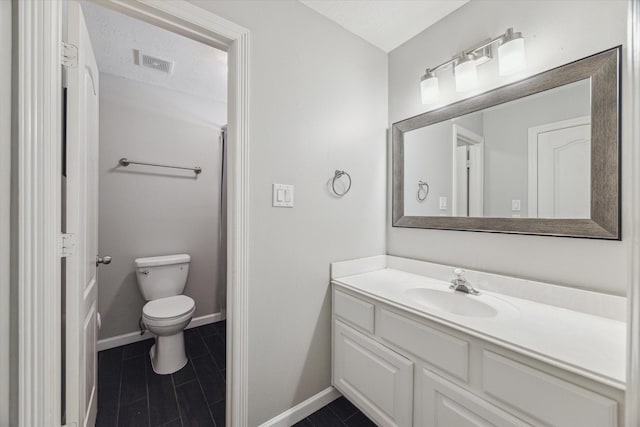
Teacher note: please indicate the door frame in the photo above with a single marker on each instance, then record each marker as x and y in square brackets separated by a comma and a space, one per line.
[40, 27]
[632, 395]
[5, 210]
[532, 157]
[477, 180]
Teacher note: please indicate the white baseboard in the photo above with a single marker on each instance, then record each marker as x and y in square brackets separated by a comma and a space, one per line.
[304, 409]
[132, 337]
[205, 320]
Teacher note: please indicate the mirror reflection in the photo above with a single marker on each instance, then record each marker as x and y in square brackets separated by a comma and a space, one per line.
[528, 158]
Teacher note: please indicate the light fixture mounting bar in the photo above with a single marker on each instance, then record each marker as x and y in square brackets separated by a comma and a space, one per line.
[511, 59]
[473, 50]
[482, 45]
[443, 65]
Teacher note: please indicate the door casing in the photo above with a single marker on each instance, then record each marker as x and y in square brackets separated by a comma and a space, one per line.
[39, 205]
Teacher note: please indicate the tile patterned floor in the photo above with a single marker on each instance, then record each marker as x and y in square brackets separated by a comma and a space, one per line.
[130, 394]
[339, 413]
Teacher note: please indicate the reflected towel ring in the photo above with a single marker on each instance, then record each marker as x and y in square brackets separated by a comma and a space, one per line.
[337, 176]
[423, 191]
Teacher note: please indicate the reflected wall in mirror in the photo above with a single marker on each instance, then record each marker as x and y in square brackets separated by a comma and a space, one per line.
[525, 158]
[540, 156]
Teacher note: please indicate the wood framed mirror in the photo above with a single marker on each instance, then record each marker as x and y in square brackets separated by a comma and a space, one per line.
[539, 156]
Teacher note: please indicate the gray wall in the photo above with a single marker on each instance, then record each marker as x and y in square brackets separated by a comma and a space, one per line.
[318, 103]
[5, 208]
[506, 143]
[151, 211]
[428, 157]
[555, 34]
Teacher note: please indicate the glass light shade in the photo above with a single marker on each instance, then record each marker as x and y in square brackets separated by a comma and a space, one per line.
[429, 89]
[466, 75]
[511, 58]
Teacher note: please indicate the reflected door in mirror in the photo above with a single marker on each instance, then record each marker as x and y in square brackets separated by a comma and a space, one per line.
[560, 170]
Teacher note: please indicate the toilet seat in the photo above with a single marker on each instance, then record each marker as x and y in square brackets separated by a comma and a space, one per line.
[169, 308]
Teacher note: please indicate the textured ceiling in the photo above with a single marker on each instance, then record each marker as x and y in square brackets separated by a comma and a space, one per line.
[385, 23]
[199, 69]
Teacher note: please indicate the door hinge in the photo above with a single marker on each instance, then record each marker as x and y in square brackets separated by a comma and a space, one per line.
[67, 245]
[69, 55]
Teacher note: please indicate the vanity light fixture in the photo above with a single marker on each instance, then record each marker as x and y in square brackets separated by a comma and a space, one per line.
[466, 73]
[511, 59]
[429, 88]
[511, 53]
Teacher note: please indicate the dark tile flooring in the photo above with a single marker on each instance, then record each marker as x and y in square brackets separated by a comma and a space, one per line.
[130, 394]
[339, 413]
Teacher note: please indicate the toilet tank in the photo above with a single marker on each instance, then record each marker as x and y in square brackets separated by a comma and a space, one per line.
[162, 276]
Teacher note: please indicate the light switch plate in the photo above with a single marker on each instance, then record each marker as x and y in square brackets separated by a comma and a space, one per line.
[283, 195]
[515, 205]
[443, 203]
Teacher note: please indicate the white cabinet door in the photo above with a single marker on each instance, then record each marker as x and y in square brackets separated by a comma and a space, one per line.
[545, 397]
[378, 380]
[441, 403]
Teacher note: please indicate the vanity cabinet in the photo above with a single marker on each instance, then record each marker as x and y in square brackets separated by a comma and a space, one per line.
[403, 369]
[374, 376]
[444, 404]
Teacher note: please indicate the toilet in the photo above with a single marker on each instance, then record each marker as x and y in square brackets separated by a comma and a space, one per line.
[167, 312]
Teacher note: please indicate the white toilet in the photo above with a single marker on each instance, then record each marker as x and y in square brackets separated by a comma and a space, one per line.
[167, 312]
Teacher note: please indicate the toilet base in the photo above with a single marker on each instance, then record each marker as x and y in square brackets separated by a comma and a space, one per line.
[168, 354]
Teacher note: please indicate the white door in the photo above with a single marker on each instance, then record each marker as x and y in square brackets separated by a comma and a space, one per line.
[462, 181]
[563, 168]
[81, 222]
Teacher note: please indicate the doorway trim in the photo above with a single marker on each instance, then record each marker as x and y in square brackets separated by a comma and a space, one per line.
[5, 209]
[39, 159]
[475, 141]
[632, 395]
[532, 157]
[39, 202]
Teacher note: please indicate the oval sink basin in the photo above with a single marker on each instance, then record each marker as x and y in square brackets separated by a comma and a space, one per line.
[453, 302]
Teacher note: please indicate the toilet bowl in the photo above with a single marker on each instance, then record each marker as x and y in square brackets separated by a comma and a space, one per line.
[166, 318]
[167, 312]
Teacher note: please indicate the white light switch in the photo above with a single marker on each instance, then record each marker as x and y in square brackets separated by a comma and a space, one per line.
[443, 203]
[515, 205]
[283, 195]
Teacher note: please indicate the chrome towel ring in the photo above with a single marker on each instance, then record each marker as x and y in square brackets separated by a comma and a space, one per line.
[337, 176]
[423, 191]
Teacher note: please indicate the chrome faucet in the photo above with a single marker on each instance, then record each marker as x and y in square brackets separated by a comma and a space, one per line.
[460, 284]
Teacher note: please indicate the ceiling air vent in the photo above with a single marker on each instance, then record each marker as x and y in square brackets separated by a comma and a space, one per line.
[144, 60]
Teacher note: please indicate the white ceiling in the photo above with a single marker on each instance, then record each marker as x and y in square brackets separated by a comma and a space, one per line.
[385, 23]
[199, 69]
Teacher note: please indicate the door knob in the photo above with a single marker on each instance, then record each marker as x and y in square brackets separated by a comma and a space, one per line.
[103, 260]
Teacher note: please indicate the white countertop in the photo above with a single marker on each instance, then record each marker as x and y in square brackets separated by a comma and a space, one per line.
[586, 344]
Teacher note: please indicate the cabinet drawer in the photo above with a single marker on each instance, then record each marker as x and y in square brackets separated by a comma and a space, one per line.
[353, 310]
[444, 404]
[448, 353]
[378, 380]
[544, 397]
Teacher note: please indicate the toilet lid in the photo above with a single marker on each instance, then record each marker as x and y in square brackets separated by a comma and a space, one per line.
[166, 308]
